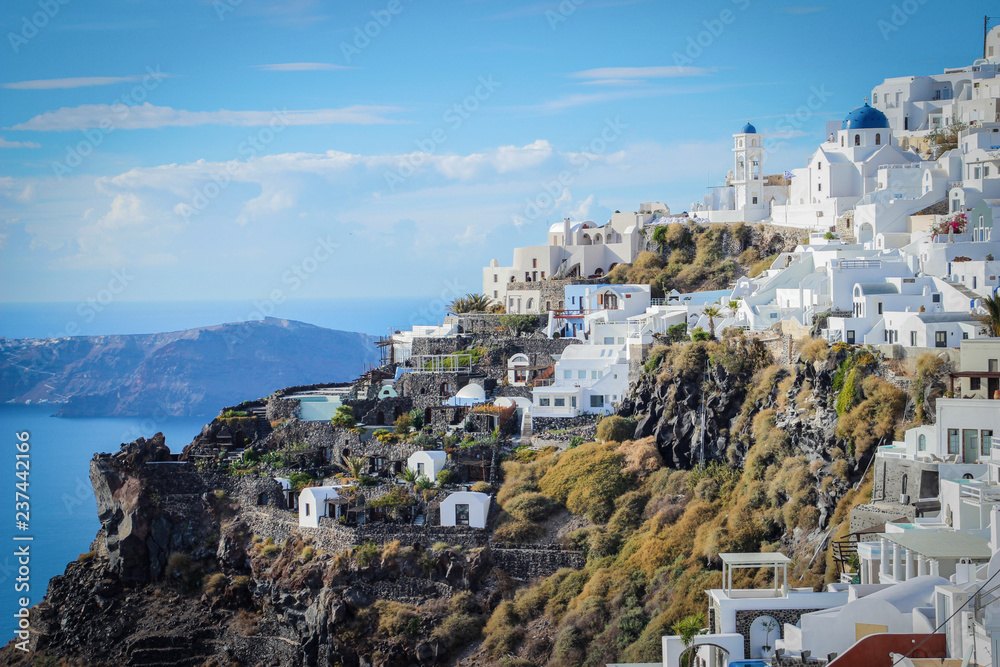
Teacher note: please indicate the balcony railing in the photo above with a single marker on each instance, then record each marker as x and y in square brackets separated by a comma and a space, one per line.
[980, 494]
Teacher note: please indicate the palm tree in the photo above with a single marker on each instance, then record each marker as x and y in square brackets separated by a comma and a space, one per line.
[471, 303]
[712, 312]
[733, 306]
[409, 475]
[991, 320]
[687, 629]
[353, 466]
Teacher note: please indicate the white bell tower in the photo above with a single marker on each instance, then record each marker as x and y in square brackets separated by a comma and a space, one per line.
[748, 178]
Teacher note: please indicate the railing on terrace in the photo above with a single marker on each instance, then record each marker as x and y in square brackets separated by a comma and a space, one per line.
[996, 442]
[442, 363]
[980, 494]
[657, 302]
[546, 382]
[860, 264]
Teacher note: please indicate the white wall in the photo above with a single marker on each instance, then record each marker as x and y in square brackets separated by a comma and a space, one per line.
[479, 507]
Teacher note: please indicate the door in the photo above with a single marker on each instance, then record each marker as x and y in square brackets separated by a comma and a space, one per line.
[992, 386]
[970, 445]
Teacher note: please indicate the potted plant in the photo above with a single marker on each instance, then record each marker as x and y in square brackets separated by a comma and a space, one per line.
[769, 626]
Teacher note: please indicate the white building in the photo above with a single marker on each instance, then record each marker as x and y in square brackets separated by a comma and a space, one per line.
[465, 508]
[842, 171]
[917, 105]
[574, 249]
[320, 501]
[427, 463]
[748, 194]
[588, 379]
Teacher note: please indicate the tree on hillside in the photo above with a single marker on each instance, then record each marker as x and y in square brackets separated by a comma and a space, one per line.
[353, 466]
[471, 303]
[991, 320]
[711, 312]
[344, 417]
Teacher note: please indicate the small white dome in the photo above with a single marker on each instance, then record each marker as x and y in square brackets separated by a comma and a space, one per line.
[473, 391]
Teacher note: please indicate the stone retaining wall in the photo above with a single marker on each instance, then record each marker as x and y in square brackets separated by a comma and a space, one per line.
[527, 563]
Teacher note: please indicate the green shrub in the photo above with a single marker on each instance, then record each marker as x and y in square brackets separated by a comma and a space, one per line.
[518, 532]
[615, 429]
[699, 334]
[366, 554]
[214, 584]
[271, 551]
[445, 476]
[576, 441]
[344, 417]
[530, 507]
[588, 479]
[307, 554]
[458, 629]
[482, 487]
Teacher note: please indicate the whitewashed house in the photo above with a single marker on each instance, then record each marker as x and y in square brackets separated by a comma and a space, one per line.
[588, 379]
[320, 501]
[465, 508]
[427, 463]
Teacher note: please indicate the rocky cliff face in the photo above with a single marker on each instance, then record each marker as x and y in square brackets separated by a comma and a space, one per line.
[191, 372]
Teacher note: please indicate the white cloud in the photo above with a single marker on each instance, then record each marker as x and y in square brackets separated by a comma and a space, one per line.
[77, 82]
[658, 72]
[147, 116]
[301, 67]
[18, 144]
[582, 210]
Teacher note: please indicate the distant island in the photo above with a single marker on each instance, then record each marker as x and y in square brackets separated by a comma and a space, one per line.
[190, 372]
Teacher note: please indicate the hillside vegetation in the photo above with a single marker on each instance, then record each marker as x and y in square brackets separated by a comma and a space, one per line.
[789, 476]
[692, 257]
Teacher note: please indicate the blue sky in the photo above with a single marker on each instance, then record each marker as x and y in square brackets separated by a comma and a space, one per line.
[241, 149]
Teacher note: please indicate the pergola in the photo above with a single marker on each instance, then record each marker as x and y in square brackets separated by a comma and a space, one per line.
[732, 561]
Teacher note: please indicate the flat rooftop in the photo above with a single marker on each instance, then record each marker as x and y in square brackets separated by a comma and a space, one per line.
[942, 544]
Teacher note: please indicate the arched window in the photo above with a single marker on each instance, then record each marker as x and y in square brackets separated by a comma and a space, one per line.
[922, 443]
[878, 139]
[528, 305]
[857, 139]
[902, 486]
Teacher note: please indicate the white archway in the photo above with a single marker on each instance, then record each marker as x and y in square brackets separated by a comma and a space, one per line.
[760, 635]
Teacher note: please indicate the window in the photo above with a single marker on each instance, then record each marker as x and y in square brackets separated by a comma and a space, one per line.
[307, 509]
[902, 485]
[922, 443]
[609, 340]
[494, 294]
[841, 142]
[874, 98]
[581, 375]
[940, 339]
[936, 298]
[987, 440]
[879, 307]
[544, 402]
[913, 339]
[975, 384]
[754, 200]
[857, 139]
[543, 275]
[420, 469]
[560, 402]
[992, 365]
[572, 401]
[819, 187]
[567, 375]
[495, 277]
[850, 337]
[597, 401]
[953, 441]
[878, 139]
[461, 515]
[534, 263]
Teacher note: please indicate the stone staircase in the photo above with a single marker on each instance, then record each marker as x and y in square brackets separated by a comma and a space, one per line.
[419, 520]
[526, 431]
